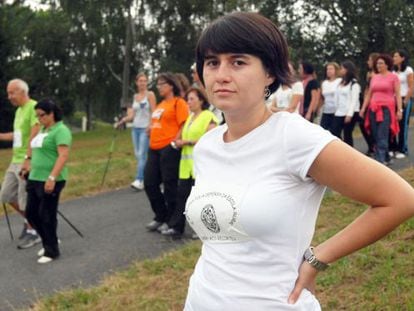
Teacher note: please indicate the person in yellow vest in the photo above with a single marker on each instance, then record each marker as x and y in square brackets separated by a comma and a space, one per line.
[200, 120]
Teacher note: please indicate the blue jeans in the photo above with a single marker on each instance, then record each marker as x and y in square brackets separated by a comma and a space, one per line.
[404, 122]
[380, 133]
[140, 140]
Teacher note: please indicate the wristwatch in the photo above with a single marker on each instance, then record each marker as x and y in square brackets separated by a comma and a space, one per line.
[313, 261]
[52, 178]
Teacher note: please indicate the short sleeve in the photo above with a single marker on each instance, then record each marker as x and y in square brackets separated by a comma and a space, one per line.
[297, 88]
[303, 141]
[181, 111]
[63, 137]
[408, 70]
[313, 85]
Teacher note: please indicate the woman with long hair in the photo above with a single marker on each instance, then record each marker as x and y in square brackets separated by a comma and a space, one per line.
[140, 115]
[383, 102]
[346, 103]
[163, 154]
[312, 91]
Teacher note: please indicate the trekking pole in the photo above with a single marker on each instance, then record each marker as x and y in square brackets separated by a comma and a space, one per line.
[8, 221]
[70, 224]
[111, 149]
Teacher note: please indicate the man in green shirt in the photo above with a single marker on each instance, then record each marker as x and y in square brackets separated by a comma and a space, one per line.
[25, 127]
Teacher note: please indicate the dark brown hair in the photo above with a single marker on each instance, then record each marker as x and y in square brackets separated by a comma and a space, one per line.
[387, 59]
[171, 80]
[201, 95]
[247, 33]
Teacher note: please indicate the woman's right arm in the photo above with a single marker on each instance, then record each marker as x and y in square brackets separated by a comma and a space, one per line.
[367, 99]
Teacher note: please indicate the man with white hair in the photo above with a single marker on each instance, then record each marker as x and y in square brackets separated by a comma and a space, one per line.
[25, 127]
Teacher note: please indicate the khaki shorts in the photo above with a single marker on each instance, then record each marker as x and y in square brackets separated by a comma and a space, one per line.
[13, 188]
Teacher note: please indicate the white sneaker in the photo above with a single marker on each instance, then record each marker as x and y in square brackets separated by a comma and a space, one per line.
[41, 252]
[44, 259]
[391, 154]
[400, 155]
[162, 228]
[137, 184]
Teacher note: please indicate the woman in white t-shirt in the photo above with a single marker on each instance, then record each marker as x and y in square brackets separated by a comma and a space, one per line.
[405, 75]
[346, 103]
[329, 86]
[260, 178]
[287, 97]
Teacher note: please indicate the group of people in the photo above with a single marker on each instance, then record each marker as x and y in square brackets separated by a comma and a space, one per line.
[382, 111]
[164, 136]
[37, 172]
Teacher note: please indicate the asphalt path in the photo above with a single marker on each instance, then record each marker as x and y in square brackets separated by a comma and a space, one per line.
[113, 224]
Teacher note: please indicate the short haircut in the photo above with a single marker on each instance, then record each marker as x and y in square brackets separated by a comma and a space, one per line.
[201, 95]
[171, 80]
[48, 106]
[21, 84]
[307, 68]
[387, 59]
[247, 33]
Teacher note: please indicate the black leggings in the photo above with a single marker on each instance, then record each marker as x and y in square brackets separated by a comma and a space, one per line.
[162, 167]
[41, 212]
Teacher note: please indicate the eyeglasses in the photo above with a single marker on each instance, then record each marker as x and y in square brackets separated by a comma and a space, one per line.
[40, 115]
[161, 83]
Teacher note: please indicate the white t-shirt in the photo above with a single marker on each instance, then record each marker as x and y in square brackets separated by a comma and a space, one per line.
[283, 97]
[403, 80]
[328, 93]
[347, 99]
[255, 209]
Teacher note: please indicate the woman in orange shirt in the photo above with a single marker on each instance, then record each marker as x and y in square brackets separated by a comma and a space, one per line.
[163, 155]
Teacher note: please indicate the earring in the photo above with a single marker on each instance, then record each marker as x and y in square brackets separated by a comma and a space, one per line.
[267, 92]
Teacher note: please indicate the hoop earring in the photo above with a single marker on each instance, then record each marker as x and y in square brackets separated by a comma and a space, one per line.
[267, 92]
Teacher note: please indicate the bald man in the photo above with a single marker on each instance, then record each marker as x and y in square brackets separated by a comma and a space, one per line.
[25, 127]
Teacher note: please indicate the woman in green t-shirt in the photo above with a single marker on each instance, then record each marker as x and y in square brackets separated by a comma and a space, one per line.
[49, 151]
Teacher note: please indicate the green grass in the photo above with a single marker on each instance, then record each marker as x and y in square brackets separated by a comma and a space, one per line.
[379, 277]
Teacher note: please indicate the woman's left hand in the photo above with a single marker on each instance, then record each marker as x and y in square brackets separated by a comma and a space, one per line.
[306, 279]
[399, 115]
[49, 186]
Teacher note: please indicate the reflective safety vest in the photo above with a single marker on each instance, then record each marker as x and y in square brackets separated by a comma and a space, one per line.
[192, 131]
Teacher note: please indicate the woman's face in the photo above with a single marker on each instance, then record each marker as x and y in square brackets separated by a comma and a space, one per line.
[381, 65]
[330, 71]
[141, 83]
[194, 102]
[342, 71]
[370, 63]
[45, 119]
[164, 88]
[235, 83]
[397, 58]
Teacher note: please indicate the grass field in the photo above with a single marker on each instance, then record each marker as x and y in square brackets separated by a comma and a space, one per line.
[380, 277]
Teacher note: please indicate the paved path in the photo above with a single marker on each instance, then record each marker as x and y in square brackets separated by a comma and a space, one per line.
[113, 225]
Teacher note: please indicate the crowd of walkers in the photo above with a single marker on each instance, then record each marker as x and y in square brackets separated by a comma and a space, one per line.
[164, 134]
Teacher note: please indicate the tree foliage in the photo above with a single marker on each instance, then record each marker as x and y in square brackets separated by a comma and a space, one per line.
[76, 51]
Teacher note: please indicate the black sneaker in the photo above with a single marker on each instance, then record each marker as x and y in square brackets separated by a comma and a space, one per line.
[29, 240]
[24, 231]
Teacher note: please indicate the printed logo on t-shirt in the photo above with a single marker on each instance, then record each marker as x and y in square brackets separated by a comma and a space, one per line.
[157, 114]
[214, 212]
[209, 219]
[17, 139]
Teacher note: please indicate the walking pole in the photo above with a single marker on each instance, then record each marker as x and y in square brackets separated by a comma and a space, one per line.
[111, 149]
[8, 221]
[70, 224]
